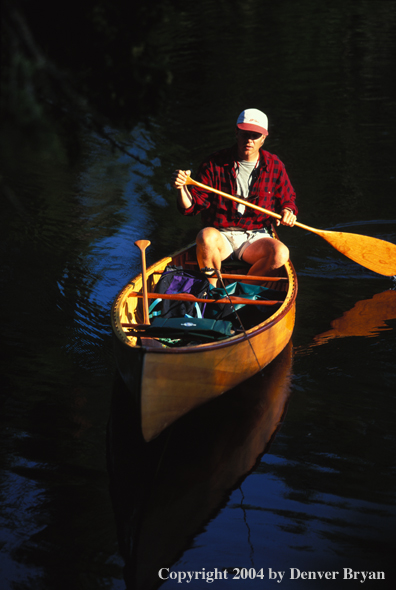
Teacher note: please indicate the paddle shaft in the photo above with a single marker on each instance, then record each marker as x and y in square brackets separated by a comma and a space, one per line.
[142, 245]
[243, 202]
[252, 206]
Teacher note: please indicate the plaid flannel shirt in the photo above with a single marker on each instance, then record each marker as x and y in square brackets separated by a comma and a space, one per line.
[271, 189]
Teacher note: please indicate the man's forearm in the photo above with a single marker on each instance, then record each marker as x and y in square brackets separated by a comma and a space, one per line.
[184, 198]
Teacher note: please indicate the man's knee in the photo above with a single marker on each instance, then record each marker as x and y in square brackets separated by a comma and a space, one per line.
[208, 237]
[282, 255]
[271, 253]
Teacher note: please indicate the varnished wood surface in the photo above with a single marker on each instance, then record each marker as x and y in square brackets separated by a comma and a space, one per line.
[143, 245]
[171, 389]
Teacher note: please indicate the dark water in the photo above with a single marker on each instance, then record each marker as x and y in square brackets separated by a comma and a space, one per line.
[323, 495]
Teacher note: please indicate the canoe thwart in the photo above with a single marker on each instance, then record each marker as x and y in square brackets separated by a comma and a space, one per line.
[242, 277]
[252, 278]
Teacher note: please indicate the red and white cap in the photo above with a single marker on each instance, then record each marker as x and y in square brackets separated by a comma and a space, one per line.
[253, 120]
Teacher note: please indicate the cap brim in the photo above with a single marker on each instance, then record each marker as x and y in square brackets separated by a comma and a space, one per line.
[251, 127]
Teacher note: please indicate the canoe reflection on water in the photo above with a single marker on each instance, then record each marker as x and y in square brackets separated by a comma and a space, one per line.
[163, 492]
[366, 318]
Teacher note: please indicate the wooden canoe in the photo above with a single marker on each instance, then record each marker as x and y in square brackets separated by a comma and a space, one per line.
[167, 382]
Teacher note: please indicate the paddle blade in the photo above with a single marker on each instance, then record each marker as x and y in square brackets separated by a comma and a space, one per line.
[142, 244]
[372, 253]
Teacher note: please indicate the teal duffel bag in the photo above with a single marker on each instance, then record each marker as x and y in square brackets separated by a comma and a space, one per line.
[254, 292]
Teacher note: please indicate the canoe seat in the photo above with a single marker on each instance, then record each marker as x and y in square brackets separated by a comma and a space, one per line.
[231, 262]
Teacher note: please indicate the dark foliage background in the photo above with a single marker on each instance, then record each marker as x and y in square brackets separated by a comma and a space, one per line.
[89, 62]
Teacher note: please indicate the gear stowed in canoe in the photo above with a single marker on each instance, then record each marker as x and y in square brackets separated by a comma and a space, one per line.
[174, 363]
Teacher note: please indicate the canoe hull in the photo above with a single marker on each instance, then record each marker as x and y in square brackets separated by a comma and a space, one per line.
[166, 383]
[173, 388]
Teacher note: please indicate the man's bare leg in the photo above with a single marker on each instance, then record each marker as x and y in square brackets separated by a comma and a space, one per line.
[211, 250]
[265, 256]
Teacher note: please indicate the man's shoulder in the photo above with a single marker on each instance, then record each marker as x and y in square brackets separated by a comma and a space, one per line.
[269, 158]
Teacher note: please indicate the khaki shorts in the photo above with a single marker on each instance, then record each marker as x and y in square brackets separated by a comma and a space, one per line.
[238, 240]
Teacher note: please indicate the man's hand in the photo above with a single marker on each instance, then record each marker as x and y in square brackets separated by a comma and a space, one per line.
[288, 218]
[179, 178]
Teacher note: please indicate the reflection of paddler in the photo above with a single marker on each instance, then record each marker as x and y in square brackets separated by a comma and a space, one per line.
[165, 491]
[366, 318]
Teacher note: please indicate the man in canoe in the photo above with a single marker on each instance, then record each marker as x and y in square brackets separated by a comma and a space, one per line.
[249, 172]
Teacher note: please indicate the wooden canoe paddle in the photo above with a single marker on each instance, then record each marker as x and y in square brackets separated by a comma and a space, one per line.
[372, 253]
[142, 245]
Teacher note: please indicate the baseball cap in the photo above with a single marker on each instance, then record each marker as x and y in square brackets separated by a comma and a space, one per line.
[253, 120]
